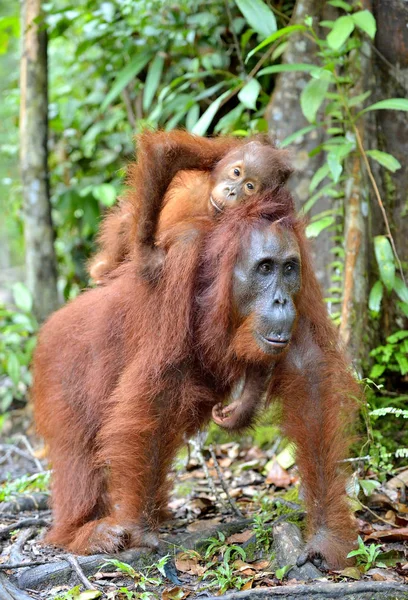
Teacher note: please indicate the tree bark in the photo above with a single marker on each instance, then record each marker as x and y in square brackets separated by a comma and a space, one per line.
[391, 81]
[284, 117]
[41, 271]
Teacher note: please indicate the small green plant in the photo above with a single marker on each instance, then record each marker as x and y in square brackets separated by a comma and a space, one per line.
[17, 342]
[262, 531]
[142, 580]
[392, 356]
[366, 556]
[39, 482]
[219, 546]
[224, 577]
[282, 572]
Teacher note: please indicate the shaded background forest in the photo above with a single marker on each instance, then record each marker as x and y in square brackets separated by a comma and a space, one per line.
[327, 79]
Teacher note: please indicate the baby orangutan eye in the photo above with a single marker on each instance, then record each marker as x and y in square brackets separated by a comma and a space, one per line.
[250, 186]
[237, 172]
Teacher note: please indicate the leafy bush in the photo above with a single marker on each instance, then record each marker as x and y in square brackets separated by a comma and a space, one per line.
[17, 343]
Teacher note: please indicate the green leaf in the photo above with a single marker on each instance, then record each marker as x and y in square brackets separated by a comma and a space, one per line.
[297, 134]
[280, 573]
[13, 367]
[401, 289]
[377, 371]
[258, 16]
[342, 29]
[304, 67]
[313, 229]
[249, 94]
[22, 297]
[340, 4]
[355, 100]
[203, 123]
[402, 362]
[275, 36]
[365, 21]
[385, 260]
[390, 104]
[312, 97]
[386, 160]
[368, 486]
[318, 177]
[153, 77]
[125, 76]
[105, 193]
[376, 294]
[334, 166]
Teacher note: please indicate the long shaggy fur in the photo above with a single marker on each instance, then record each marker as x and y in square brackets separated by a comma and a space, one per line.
[126, 370]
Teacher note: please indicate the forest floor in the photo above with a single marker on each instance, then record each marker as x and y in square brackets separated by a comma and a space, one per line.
[236, 530]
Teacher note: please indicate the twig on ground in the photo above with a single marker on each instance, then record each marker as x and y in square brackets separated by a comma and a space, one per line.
[5, 531]
[78, 570]
[221, 479]
[16, 554]
[197, 443]
[22, 565]
[378, 516]
[30, 449]
[356, 459]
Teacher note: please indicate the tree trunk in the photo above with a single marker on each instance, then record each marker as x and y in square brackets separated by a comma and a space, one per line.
[285, 117]
[391, 81]
[41, 269]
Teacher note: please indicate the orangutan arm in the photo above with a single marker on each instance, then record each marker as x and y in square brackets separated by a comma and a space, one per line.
[161, 155]
[241, 413]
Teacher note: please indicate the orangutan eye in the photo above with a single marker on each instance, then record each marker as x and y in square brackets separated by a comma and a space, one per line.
[250, 186]
[237, 172]
[290, 267]
[265, 267]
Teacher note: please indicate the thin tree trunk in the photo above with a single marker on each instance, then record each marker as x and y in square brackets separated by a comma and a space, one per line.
[39, 236]
[284, 117]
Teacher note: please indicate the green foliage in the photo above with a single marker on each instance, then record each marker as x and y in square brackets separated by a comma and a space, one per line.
[392, 356]
[25, 485]
[224, 577]
[142, 579]
[263, 532]
[366, 556]
[17, 342]
[219, 546]
[281, 573]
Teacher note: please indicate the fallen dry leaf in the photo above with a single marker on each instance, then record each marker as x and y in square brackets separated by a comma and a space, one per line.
[278, 476]
[247, 585]
[203, 524]
[389, 535]
[199, 506]
[383, 574]
[175, 593]
[261, 565]
[351, 573]
[240, 538]
[399, 481]
[186, 563]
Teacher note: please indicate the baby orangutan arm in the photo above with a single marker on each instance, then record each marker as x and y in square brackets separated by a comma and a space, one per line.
[240, 413]
[160, 156]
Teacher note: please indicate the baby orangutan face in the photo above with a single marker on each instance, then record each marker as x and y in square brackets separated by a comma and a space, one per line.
[244, 172]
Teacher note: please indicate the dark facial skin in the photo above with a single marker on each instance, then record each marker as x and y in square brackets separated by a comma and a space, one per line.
[241, 174]
[266, 280]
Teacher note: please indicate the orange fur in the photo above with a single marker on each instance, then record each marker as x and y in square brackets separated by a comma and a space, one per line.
[126, 370]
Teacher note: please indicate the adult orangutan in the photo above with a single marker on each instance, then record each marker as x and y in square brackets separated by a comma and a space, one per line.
[227, 171]
[127, 369]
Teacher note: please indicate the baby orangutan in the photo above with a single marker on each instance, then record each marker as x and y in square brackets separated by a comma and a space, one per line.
[197, 177]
